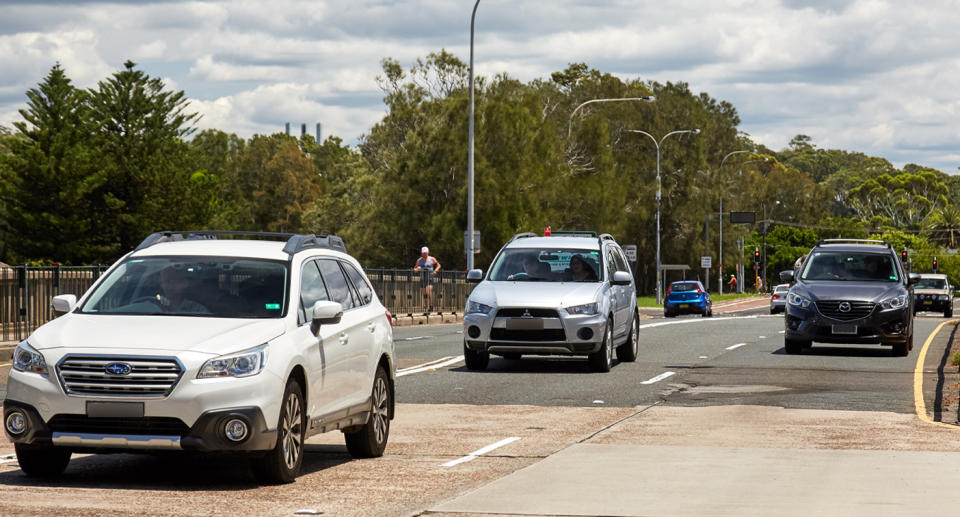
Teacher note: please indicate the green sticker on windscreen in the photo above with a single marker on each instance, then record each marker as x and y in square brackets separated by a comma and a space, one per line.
[892, 277]
[273, 306]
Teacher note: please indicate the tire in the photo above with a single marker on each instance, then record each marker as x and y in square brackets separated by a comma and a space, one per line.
[627, 352]
[794, 346]
[41, 461]
[903, 349]
[475, 360]
[602, 360]
[282, 463]
[948, 313]
[371, 439]
[512, 356]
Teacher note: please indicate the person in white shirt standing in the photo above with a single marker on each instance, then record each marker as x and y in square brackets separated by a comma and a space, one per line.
[427, 266]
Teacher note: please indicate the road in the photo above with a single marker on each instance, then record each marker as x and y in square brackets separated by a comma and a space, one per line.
[712, 410]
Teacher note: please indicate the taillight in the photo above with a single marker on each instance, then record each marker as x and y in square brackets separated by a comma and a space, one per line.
[776, 297]
[389, 317]
[699, 291]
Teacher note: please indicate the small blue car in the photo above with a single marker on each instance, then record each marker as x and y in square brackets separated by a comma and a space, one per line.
[687, 297]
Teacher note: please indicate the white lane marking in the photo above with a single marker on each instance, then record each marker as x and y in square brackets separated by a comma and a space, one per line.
[480, 452]
[763, 337]
[704, 357]
[658, 378]
[697, 320]
[734, 347]
[9, 458]
[415, 338]
[432, 365]
[598, 402]
[782, 332]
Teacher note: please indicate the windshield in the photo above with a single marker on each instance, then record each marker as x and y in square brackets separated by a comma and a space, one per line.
[849, 266]
[218, 287]
[547, 265]
[931, 283]
[684, 286]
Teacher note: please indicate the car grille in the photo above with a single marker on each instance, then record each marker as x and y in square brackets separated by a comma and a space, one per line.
[528, 335]
[858, 310]
[161, 426]
[519, 313]
[148, 377]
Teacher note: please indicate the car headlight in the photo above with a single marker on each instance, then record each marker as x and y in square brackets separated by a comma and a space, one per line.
[798, 301]
[242, 364]
[587, 309]
[478, 308]
[943, 297]
[26, 359]
[894, 303]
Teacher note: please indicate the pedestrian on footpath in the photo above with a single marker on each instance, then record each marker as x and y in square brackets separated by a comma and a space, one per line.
[427, 266]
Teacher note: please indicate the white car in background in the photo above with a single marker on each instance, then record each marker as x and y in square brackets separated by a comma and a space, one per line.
[778, 298]
[198, 342]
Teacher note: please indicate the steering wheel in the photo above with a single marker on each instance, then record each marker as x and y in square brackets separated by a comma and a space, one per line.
[519, 276]
[151, 299]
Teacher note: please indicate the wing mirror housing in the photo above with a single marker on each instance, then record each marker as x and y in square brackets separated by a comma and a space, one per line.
[326, 312]
[621, 278]
[787, 277]
[913, 278]
[63, 303]
[474, 276]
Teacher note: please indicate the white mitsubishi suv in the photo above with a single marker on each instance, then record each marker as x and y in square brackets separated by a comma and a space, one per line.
[209, 341]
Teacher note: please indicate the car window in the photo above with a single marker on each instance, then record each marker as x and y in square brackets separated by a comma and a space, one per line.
[611, 262]
[337, 286]
[850, 266]
[363, 288]
[618, 257]
[547, 265]
[312, 289]
[684, 286]
[931, 283]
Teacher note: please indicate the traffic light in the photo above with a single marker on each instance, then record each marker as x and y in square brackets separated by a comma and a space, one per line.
[756, 256]
[903, 256]
[934, 264]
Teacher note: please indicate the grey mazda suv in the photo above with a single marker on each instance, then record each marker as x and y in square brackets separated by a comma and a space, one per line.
[557, 295]
[850, 291]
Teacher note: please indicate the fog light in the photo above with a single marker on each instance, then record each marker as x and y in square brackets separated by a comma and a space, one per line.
[585, 333]
[473, 331]
[236, 430]
[16, 422]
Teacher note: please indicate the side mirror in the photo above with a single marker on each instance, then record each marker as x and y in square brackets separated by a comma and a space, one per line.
[787, 276]
[621, 278]
[913, 278]
[63, 303]
[326, 312]
[474, 276]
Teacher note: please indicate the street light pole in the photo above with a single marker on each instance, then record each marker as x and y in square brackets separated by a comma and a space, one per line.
[720, 258]
[591, 101]
[657, 145]
[470, 221]
[766, 224]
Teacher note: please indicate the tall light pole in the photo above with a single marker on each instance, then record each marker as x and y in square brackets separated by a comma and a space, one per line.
[657, 145]
[766, 222]
[720, 257]
[470, 221]
[591, 101]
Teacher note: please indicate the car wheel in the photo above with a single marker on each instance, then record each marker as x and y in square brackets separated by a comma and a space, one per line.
[475, 359]
[794, 346]
[903, 349]
[371, 439]
[283, 462]
[948, 313]
[512, 356]
[627, 352]
[41, 460]
[602, 360]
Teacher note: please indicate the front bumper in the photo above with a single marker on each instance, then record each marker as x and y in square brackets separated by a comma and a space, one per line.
[562, 335]
[885, 327]
[932, 304]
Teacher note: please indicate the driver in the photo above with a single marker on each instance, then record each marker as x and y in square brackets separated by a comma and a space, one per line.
[174, 285]
[531, 268]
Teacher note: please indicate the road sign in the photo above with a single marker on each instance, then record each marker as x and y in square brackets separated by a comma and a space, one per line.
[743, 217]
[476, 242]
[756, 267]
[631, 251]
[706, 262]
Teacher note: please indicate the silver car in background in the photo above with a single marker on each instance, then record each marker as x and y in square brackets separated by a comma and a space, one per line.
[778, 298]
[555, 295]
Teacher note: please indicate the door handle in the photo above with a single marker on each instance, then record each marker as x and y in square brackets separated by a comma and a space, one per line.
[344, 339]
[372, 327]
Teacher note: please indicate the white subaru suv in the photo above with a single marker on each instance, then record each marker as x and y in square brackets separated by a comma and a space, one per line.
[202, 341]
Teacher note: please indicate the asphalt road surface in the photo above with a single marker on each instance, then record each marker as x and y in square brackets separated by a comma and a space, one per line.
[712, 410]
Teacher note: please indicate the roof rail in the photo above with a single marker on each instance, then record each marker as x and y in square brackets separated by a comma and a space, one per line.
[854, 241]
[606, 237]
[523, 235]
[295, 242]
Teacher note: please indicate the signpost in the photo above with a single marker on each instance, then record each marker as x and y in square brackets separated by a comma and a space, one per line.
[706, 263]
[630, 250]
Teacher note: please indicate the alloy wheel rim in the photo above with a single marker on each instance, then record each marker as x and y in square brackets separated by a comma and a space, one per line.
[380, 410]
[292, 431]
[635, 335]
[609, 340]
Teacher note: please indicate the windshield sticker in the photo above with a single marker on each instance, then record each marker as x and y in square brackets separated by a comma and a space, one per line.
[892, 277]
[272, 306]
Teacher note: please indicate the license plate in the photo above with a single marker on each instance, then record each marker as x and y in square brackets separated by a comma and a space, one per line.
[525, 324]
[845, 329]
[684, 305]
[927, 302]
[115, 409]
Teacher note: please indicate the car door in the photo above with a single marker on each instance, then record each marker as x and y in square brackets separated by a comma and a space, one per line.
[627, 297]
[354, 338]
[376, 324]
[616, 292]
[322, 351]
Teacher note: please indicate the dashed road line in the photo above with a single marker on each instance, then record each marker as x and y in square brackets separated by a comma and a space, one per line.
[415, 338]
[659, 378]
[480, 452]
[697, 320]
[734, 347]
[432, 365]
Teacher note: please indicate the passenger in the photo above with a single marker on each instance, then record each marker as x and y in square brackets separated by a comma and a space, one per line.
[580, 271]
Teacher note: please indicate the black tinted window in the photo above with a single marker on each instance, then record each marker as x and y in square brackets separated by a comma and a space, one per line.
[685, 286]
[337, 286]
[363, 288]
[312, 289]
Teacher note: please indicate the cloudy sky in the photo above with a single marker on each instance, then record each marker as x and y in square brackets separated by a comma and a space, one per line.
[880, 77]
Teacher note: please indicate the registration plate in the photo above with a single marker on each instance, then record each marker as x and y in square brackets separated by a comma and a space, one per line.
[684, 305]
[845, 329]
[525, 324]
[114, 409]
[927, 302]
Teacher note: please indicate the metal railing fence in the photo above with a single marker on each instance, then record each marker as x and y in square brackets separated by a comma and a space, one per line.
[26, 291]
